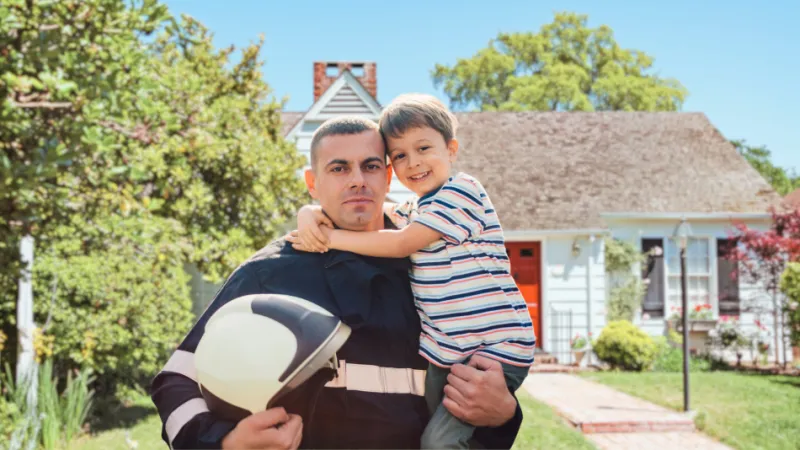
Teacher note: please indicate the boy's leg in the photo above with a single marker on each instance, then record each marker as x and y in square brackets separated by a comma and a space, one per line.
[435, 381]
[515, 375]
[443, 430]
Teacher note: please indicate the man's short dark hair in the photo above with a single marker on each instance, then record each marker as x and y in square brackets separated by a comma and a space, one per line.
[337, 127]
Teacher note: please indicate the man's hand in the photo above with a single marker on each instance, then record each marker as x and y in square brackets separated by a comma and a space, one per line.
[270, 429]
[477, 393]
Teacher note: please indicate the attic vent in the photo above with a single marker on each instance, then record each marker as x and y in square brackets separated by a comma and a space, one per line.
[357, 70]
[332, 70]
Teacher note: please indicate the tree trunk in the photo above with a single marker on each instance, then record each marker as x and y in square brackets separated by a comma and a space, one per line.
[26, 361]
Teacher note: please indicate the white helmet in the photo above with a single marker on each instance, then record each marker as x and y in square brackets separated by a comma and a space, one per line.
[257, 348]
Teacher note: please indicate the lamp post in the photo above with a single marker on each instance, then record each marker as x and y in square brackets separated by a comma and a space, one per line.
[682, 234]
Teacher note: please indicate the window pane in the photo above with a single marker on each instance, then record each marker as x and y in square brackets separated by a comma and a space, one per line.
[673, 257]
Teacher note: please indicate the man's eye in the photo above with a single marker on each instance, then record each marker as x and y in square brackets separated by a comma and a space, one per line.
[374, 167]
[337, 169]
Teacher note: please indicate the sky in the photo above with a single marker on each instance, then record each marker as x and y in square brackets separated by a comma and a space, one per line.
[740, 62]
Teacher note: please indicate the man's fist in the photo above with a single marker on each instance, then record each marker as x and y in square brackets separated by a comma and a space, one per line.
[270, 429]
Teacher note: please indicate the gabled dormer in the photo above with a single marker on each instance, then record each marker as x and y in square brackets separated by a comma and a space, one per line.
[340, 88]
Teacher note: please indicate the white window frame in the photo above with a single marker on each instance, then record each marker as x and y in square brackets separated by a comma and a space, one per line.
[711, 275]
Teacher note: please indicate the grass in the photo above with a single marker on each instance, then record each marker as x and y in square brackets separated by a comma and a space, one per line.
[137, 422]
[541, 429]
[743, 411]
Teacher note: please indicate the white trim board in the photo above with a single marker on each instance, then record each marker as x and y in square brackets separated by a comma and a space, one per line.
[687, 216]
[537, 235]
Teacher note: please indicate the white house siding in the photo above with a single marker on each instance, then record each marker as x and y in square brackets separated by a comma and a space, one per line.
[751, 295]
[574, 285]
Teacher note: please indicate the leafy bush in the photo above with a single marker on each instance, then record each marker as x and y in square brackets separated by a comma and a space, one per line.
[620, 256]
[116, 299]
[669, 357]
[624, 301]
[790, 285]
[624, 346]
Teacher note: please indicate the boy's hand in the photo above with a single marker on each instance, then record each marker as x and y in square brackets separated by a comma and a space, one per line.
[311, 238]
[297, 244]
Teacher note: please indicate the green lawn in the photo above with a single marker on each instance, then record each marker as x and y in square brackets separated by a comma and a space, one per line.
[743, 411]
[137, 422]
[542, 429]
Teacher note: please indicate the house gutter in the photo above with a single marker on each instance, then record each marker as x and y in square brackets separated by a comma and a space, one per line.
[687, 216]
[533, 235]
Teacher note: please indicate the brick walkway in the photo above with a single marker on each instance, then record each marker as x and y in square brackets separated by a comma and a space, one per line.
[612, 419]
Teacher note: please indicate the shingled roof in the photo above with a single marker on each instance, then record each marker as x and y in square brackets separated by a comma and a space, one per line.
[288, 120]
[558, 170]
[553, 170]
[792, 199]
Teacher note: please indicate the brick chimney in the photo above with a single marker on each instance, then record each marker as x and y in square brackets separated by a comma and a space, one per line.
[326, 72]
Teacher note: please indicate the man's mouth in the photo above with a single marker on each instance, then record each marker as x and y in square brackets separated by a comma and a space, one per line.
[420, 176]
[358, 200]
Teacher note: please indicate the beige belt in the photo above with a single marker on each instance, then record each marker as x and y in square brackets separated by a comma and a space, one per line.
[383, 380]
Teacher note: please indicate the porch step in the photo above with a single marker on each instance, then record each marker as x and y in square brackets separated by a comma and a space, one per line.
[542, 357]
[554, 368]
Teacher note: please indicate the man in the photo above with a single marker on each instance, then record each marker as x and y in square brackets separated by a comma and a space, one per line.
[377, 400]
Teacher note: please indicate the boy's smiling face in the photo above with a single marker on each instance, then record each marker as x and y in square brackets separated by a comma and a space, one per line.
[421, 159]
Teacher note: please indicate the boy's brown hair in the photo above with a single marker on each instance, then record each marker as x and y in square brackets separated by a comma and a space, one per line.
[417, 111]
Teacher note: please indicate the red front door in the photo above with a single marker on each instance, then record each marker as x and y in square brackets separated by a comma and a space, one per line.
[526, 268]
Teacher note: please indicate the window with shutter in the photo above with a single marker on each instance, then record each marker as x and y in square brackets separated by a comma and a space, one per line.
[727, 279]
[653, 271]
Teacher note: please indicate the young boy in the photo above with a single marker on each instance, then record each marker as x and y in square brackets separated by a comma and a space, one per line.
[467, 300]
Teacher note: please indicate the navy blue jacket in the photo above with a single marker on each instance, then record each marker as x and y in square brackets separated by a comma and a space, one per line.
[371, 295]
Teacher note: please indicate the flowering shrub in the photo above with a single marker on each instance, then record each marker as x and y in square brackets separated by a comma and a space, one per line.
[790, 285]
[623, 345]
[767, 257]
[698, 311]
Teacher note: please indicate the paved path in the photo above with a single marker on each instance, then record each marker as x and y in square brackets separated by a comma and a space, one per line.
[614, 420]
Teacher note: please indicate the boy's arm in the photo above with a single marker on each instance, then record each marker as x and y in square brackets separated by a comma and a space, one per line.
[385, 243]
[388, 208]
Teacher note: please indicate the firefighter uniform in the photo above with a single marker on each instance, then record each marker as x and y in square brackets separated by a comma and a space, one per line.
[376, 400]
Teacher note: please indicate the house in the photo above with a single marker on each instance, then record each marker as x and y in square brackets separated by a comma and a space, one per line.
[792, 199]
[563, 183]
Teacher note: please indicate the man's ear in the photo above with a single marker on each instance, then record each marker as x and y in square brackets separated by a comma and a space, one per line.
[311, 179]
[452, 149]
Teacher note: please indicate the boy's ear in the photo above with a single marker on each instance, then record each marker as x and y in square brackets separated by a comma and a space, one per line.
[389, 176]
[452, 149]
[311, 179]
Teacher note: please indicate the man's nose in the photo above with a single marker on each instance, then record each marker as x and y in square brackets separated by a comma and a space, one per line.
[357, 178]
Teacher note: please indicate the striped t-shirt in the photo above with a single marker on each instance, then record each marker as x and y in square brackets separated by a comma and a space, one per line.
[465, 296]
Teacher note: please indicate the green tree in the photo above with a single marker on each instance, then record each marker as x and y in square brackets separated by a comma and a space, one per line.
[114, 116]
[760, 158]
[566, 66]
[61, 68]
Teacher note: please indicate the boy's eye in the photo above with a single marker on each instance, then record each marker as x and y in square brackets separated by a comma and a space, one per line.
[398, 156]
[423, 148]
